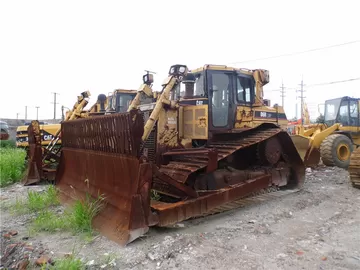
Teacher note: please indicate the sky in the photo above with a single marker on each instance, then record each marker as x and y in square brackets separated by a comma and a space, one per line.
[69, 47]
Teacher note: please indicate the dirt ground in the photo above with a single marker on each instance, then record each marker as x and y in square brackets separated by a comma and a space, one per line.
[315, 228]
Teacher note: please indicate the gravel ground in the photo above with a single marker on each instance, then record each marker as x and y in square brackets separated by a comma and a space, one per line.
[315, 228]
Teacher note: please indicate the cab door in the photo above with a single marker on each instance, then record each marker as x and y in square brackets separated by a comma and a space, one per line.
[220, 85]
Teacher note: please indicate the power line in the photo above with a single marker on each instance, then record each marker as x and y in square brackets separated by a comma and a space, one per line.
[334, 82]
[318, 84]
[282, 93]
[295, 53]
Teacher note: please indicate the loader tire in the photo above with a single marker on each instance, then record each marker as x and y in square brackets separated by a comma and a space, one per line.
[335, 150]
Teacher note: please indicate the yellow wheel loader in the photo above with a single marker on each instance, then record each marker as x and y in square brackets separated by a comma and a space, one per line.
[334, 140]
[204, 143]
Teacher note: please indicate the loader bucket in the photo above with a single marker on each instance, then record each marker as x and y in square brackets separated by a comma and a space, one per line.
[34, 155]
[310, 156]
[100, 156]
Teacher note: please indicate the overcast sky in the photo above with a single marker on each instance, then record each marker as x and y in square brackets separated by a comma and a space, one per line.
[71, 46]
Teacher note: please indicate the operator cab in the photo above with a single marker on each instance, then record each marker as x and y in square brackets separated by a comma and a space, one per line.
[223, 89]
[344, 110]
[120, 100]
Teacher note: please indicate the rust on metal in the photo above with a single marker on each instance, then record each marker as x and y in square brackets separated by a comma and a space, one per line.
[171, 213]
[354, 168]
[4, 136]
[179, 168]
[184, 164]
[101, 156]
[312, 157]
[33, 172]
[164, 177]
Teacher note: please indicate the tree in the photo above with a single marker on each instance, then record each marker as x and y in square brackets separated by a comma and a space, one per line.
[320, 119]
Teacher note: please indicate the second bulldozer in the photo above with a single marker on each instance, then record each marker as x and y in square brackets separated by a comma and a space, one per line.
[208, 141]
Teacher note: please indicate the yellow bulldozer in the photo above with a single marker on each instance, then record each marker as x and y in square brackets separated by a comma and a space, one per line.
[44, 150]
[207, 140]
[118, 101]
[334, 140]
[48, 132]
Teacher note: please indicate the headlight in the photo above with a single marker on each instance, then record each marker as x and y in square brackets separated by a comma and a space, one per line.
[177, 70]
[148, 79]
[182, 69]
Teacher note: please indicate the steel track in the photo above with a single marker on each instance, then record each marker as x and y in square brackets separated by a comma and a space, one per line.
[260, 196]
[354, 168]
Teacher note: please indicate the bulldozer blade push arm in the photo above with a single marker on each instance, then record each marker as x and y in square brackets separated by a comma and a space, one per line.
[33, 172]
[171, 81]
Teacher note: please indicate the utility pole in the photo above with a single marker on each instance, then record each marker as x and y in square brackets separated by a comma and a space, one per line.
[17, 116]
[25, 112]
[62, 113]
[37, 112]
[282, 95]
[54, 103]
[302, 100]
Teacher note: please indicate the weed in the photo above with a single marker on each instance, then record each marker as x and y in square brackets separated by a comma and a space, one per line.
[12, 165]
[68, 263]
[77, 218]
[50, 222]
[37, 201]
[108, 259]
[83, 212]
[154, 195]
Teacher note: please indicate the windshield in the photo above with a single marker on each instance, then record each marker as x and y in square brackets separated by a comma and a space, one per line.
[331, 110]
[123, 102]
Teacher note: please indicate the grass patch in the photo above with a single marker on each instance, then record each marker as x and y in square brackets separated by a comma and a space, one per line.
[77, 218]
[37, 201]
[12, 165]
[68, 263]
[49, 222]
[7, 144]
[83, 212]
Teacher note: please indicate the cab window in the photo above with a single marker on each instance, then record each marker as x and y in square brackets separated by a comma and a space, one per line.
[244, 87]
[343, 117]
[354, 113]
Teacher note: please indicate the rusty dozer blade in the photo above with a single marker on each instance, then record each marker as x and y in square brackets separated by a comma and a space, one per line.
[100, 155]
[309, 155]
[33, 172]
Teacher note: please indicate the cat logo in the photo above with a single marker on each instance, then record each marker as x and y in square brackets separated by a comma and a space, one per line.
[199, 102]
[48, 137]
